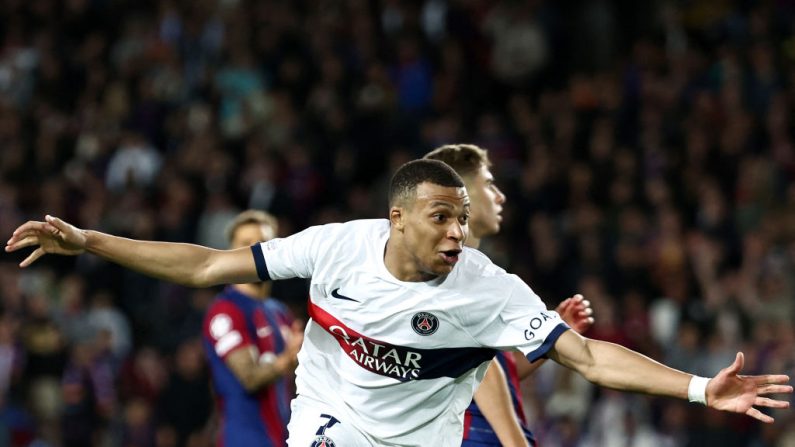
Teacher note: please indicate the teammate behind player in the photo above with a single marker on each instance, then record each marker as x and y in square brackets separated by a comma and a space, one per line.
[404, 317]
[252, 350]
[496, 415]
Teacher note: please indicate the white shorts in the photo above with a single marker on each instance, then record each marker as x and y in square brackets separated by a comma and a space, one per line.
[313, 425]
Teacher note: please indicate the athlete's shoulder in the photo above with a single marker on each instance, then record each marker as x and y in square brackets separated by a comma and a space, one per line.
[222, 316]
[478, 278]
[353, 229]
[222, 305]
[476, 262]
[360, 227]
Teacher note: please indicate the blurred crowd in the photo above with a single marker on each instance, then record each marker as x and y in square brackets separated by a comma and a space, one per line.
[647, 150]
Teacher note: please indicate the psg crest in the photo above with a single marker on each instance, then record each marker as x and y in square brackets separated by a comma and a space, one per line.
[323, 441]
[424, 323]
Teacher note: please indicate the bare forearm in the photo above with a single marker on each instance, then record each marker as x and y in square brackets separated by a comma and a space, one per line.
[254, 375]
[614, 366]
[265, 373]
[186, 264]
[494, 400]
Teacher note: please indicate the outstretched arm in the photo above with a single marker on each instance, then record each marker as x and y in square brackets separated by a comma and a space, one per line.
[614, 366]
[186, 264]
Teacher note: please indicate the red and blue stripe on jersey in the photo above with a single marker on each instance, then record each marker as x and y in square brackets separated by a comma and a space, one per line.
[258, 418]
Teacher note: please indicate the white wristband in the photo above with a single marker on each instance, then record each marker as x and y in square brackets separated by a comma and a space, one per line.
[697, 390]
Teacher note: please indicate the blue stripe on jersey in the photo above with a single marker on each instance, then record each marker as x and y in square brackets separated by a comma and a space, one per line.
[548, 342]
[452, 362]
[259, 261]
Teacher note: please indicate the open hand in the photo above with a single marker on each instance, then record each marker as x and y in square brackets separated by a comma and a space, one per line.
[576, 312]
[52, 236]
[729, 391]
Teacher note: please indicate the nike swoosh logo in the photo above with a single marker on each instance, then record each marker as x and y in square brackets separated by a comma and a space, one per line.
[335, 294]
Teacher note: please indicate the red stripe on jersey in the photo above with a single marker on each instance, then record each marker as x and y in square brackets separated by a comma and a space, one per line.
[382, 358]
[467, 424]
[269, 412]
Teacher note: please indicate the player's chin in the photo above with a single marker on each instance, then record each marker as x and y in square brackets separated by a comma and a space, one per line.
[443, 268]
[492, 229]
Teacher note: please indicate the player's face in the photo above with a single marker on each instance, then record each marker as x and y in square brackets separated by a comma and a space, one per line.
[436, 227]
[249, 234]
[487, 201]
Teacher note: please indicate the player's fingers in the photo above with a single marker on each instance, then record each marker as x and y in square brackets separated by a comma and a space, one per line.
[20, 235]
[758, 415]
[37, 253]
[770, 403]
[26, 242]
[37, 231]
[31, 225]
[774, 389]
[56, 222]
[769, 379]
[577, 297]
[564, 306]
[737, 366]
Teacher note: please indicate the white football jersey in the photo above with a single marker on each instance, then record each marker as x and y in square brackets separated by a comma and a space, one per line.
[401, 360]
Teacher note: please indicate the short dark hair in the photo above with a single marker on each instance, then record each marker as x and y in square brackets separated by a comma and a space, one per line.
[466, 159]
[407, 177]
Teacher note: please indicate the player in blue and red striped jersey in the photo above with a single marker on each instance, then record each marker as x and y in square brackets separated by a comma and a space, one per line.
[252, 348]
[496, 415]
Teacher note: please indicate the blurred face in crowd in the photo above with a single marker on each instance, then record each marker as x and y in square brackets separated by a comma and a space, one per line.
[249, 234]
[487, 201]
[433, 227]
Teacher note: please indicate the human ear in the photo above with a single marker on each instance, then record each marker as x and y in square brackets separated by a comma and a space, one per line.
[396, 217]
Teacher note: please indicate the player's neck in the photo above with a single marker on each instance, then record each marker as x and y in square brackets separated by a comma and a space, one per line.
[402, 266]
[472, 241]
[257, 290]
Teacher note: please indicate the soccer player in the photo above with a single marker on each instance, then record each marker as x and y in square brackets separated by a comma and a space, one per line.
[496, 415]
[404, 318]
[252, 349]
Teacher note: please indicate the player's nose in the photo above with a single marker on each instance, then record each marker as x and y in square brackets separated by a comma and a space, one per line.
[500, 199]
[456, 231]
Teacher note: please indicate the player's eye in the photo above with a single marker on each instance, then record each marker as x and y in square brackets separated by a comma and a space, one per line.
[439, 217]
[464, 219]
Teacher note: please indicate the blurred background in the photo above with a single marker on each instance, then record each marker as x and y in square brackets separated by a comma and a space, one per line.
[646, 149]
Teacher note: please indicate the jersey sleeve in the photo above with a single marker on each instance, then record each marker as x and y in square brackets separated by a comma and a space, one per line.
[225, 329]
[523, 323]
[291, 257]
